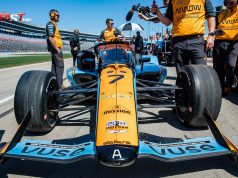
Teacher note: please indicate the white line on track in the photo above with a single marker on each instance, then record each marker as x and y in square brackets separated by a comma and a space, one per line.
[6, 99]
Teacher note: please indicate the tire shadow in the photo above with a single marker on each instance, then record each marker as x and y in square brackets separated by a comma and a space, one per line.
[168, 116]
[233, 98]
[1, 134]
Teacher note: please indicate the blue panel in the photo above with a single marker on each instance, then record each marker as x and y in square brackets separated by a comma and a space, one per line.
[200, 147]
[46, 150]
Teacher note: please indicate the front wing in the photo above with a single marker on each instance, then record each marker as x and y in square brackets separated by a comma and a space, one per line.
[168, 152]
[58, 153]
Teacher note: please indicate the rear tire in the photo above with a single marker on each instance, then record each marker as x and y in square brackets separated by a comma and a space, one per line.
[200, 89]
[33, 93]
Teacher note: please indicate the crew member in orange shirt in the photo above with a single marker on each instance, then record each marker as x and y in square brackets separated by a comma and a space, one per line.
[188, 18]
[110, 33]
[226, 46]
[55, 46]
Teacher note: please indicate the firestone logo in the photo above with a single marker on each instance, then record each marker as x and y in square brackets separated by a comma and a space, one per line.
[14, 17]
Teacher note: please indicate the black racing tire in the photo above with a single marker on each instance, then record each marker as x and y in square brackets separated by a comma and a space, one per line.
[235, 82]
[200, 89]
[34, 92]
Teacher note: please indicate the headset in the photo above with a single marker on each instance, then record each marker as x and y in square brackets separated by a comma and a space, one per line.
[52, 13]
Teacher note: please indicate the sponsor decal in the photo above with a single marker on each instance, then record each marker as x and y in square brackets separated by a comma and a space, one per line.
[182, 148]
[53, 150]
[113, 142]
[117, 96]
[109, 72]
[68, 147]
[189, 8]
[116, 127]
[177, 144]
[116, 154]
[117, 109]
[230, 21]
[117, 78]
[13, 17]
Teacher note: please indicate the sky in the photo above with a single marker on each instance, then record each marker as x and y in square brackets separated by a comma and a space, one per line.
[87, 15]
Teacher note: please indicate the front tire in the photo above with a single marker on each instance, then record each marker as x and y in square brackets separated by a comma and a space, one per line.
[35, 92]
[200, 89]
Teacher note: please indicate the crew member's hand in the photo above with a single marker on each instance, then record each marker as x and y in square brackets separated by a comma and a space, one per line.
[142, 16]
[75, 48]
[210, 42]
[58, 50]
[154, 9]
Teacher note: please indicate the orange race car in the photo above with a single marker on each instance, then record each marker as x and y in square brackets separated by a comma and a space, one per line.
[115, 89]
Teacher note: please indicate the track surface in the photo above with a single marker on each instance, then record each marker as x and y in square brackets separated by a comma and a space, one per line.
[163, 123]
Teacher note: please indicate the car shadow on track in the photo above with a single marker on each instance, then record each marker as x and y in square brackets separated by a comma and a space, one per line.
[73, 119]
[171, 78]
[142, 168]
[168, 116]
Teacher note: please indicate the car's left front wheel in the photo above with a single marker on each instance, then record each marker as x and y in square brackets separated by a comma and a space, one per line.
[36, 91]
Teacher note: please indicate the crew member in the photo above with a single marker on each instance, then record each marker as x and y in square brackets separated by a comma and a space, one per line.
[55, 45]
[226, 46]
[110, 33]
[139, 45]
[188, 18]
[75, 45]
[158, 44]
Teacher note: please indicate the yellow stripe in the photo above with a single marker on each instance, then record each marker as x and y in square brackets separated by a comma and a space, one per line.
[5, 148]
[230, 145]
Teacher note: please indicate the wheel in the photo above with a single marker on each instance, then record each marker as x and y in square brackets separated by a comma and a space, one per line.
[235, 82]
[34, 92]
[200, 88]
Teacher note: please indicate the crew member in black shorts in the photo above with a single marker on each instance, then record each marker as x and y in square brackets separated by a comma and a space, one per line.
[188, 18]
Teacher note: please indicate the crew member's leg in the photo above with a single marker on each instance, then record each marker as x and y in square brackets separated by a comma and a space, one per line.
[197, 48]
[59, 67]
[138, 55]
[230, 65]
[53, 64]
[179, 54]
[74, 59]
[218, 62]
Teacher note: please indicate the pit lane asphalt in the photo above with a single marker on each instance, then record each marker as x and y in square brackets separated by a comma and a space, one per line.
[158, 122]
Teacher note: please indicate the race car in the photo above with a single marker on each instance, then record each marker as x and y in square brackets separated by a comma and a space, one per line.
[116, 88]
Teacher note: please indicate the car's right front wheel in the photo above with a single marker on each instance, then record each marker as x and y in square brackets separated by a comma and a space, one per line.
[199, 89]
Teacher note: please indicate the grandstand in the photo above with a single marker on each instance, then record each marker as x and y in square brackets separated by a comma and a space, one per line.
[21, 37]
